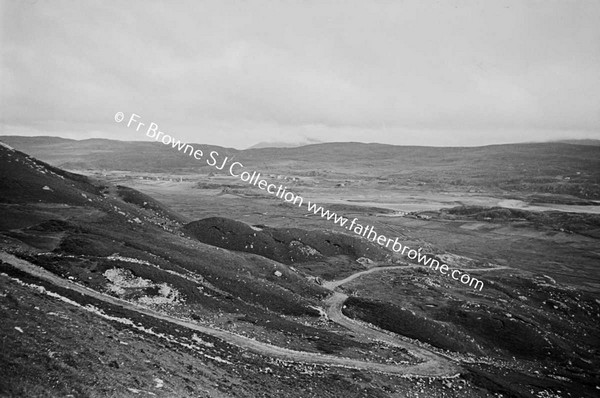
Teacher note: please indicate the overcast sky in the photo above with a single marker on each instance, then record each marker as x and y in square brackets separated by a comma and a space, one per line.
[235, 73]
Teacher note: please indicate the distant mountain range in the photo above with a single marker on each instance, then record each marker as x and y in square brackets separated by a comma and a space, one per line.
[561, 168]
[281, 144]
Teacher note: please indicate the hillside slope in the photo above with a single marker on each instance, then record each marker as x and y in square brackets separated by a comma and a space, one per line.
[245, 302]
[128, 248]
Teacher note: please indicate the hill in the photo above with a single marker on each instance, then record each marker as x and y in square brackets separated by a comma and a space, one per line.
[123, 244]
[556, 168]
[105, 291]
[103, 154]
[103, 294]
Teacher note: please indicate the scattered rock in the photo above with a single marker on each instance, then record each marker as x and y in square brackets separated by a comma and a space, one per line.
[364, 261]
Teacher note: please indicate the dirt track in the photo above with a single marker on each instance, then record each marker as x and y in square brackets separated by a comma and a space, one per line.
[333, 284]
[434, 366]
[432, 363]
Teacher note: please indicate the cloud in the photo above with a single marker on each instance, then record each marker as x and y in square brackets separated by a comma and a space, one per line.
[236, 73]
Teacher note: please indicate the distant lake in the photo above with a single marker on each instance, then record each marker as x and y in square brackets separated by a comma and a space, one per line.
[519, 204]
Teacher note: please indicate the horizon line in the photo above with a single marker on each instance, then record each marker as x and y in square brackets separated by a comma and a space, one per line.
[567, 141]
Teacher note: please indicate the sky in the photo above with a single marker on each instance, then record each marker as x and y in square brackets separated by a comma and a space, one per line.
[236, 73]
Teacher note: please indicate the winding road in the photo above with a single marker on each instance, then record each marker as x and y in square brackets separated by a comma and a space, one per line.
[432, 365]
[431, 362]
[333, 284]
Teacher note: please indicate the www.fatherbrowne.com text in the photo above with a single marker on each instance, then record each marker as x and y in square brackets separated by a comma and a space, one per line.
[237, 169]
